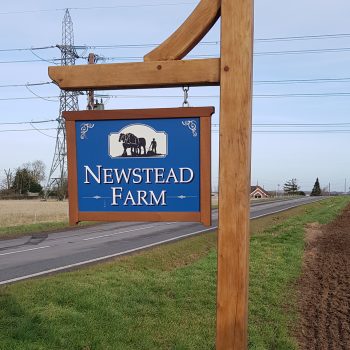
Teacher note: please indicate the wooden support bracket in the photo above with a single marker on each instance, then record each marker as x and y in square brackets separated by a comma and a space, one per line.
[197, 25]
[137, 75]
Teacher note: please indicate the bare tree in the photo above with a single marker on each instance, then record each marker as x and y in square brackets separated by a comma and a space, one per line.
[8, 180]
[36, 170]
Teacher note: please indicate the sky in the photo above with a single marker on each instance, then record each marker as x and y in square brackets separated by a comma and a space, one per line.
[281, 94]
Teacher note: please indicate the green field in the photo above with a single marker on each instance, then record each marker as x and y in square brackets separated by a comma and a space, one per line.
[164, 298]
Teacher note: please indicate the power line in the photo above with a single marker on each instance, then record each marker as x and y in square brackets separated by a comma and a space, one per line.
[51, 60]
[30, 122]
[305, 37]
[295, 124]
[102, 47]
[203, 43]
[299, 52]
[140, 58]
[36, 95]
[256, 82]
[24, 85]
[27, 98]
[296, 131]
[41, 132]
[216, 131]
[137, 46]
[212, 43]
[213, 125]
[42, 58]
[97, 8]
[301, 125]
[256, 54]
[29, 49]
[302, 81]
[301, 95]
[132, 6]
[24, 130]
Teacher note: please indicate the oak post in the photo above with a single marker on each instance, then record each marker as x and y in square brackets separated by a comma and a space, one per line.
[235, 157]
[72, 173]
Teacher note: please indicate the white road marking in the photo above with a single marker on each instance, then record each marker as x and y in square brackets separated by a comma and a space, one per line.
[291, 207]
[127, 231]
[25, 250]
[104, 257]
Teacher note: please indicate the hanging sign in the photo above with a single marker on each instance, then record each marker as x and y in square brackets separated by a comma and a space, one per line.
[139, 165]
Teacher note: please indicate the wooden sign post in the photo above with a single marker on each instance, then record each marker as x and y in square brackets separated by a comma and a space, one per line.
[234, 181]
[164, 67]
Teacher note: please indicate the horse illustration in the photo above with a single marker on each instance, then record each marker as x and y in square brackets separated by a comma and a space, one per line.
[134, 143]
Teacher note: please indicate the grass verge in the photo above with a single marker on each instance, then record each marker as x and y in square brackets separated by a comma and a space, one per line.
[28, 229]
[15, 231]
[163, 298]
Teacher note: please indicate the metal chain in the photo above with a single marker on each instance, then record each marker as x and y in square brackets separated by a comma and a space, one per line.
[185, 90]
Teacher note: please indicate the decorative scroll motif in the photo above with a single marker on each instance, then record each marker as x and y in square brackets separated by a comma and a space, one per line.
[84, 129]
[192, 125]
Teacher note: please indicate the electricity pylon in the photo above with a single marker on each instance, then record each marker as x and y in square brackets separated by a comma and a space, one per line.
[68, 102]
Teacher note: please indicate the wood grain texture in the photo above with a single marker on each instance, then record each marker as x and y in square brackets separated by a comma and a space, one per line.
[191, 32]
[72, 173]
[205, 72]
[205, 166]
[235, 158]
[150, 113]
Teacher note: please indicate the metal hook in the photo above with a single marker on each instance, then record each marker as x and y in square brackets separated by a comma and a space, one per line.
[185, 90]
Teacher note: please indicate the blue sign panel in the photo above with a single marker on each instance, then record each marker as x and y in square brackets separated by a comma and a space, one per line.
[148, 165]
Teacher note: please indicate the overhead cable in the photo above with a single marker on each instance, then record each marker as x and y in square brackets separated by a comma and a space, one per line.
[23, 130]
[30, 122]
[298, 95]
[41, 97]
[97, 8]
[41, 131]
[24, 85]
[215, 131]
[256, 82]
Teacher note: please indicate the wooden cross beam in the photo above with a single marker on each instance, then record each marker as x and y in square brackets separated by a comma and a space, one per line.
[163, 67]
[139, 75]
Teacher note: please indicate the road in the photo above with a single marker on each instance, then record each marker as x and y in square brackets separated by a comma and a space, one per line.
[38, 255]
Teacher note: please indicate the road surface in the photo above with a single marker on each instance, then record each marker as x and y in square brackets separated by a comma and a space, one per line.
[38, 255]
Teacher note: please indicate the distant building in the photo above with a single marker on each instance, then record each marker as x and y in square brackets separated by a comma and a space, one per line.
[33, 194]
[258, 192]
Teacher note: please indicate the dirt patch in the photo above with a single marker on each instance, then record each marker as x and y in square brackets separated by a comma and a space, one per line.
[324, 301]
[313, 232]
